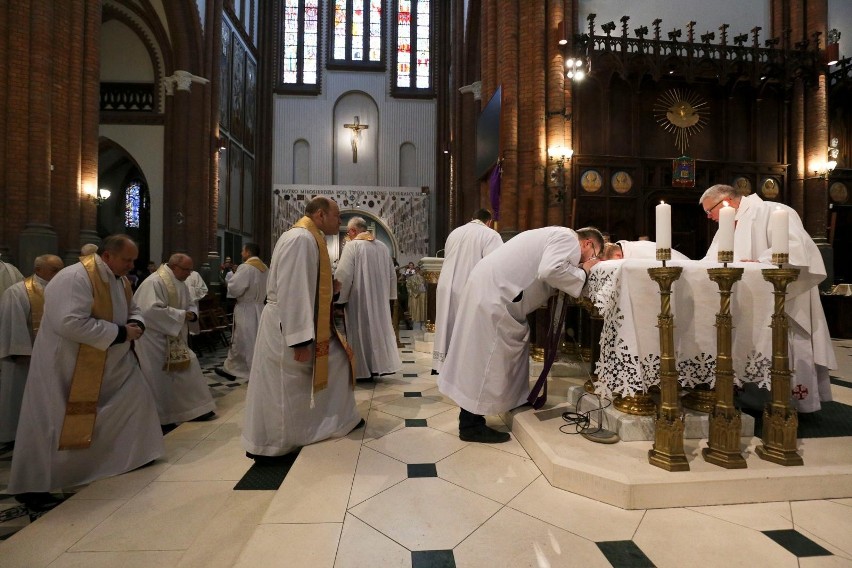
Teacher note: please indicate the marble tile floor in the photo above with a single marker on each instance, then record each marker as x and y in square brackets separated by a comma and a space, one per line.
[404, 491]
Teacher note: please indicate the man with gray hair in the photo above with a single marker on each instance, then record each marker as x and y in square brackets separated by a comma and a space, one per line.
[87, 249]
[367, 285]
[812, 354]
[86, 413]
[170, 367]
[21, 309]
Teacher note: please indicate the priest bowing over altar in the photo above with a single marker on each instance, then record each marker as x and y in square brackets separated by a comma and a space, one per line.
[760, 229]
[487, 366]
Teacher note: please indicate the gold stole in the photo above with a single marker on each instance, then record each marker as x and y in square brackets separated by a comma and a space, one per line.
[177, 356]
[322, 311]
[82, 407]
[35, 294]
[257, 263]
[365, 236]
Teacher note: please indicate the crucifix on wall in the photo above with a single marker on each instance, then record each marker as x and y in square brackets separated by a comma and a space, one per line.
[356, 128]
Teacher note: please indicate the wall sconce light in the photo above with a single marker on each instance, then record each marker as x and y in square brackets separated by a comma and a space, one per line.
[833, 153]
[563, 33]
[557, 155]
[832, 48]
[100, 197]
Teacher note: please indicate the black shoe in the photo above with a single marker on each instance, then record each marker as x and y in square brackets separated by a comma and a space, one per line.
[224, 374]
[270, 460]
[166, 428]
[38, 502]
[360, 424]
[204, 417]
[469, 419]
[483, 434]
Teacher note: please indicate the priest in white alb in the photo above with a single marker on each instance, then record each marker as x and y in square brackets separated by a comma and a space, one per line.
[487, 367]
[87, 412]
[21, 309]
[367, 285]
[811, 352]
[301, 385]
[170, 367]
[248, 287]
[465, 246]
[9, 275]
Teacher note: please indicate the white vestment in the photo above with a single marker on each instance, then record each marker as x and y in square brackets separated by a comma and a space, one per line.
[646, 250]
[279, 414]
[368, 284]
[16, 346]
[8, 275]
[127, 432]
[811, 352]
[248, 286]
[197, 288]
[181, 395]
[465, 246]
[487, 367]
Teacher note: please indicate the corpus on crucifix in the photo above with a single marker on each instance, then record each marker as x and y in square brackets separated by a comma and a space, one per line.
[356, 128]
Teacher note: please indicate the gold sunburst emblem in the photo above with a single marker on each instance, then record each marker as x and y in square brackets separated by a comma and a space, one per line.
[682, 112]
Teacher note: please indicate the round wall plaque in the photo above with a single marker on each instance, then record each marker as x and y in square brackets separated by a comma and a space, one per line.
[591, 181]
[839, 192]
[621, 182]
[770, 188]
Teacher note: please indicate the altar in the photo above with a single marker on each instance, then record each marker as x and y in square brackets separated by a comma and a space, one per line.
[628, 301]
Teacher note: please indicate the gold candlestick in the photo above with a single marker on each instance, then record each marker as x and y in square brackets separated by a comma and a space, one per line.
[723, 447]
[780, 420]
[667, 451]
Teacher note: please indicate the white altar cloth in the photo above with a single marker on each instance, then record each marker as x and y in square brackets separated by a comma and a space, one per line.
[629, 302]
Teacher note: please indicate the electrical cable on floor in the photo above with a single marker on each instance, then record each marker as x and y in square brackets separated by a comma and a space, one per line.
[582, 421]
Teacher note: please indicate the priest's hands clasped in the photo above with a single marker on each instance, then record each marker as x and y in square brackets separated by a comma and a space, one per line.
[133, 331]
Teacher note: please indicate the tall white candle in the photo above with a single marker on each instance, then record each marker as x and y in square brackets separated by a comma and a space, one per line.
[664, 225]
[726, 227]
[779, 229]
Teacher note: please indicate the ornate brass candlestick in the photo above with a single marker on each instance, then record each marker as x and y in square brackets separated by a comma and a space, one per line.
[667, 451]
[723, 447]
[780, 420]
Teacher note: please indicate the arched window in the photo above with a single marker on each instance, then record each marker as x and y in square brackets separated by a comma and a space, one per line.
[356, 31]
[413, 73]
[132, 205]
[299, 45]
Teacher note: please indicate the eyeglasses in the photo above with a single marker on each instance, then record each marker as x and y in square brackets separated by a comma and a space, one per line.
[718, 203]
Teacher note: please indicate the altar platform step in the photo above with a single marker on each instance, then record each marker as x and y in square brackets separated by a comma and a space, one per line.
[620, 475]
[633, 428]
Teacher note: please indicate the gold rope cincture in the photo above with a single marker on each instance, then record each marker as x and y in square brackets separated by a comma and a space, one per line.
[322, 312]
[81, 410]
[257, 263]
[35, 294]
[177, 354]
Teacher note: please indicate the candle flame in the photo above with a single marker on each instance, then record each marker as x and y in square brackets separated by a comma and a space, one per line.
[724, 204]
[662, 202]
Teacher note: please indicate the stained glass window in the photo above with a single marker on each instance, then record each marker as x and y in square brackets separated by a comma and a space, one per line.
[413, 69]
[356, 33]
[132, 204]
[299, 44]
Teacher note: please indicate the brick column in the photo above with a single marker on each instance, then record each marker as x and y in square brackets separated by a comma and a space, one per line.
[38, 236]
[507, 76]
[557, 134]
[90, 118]
[532, 157]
